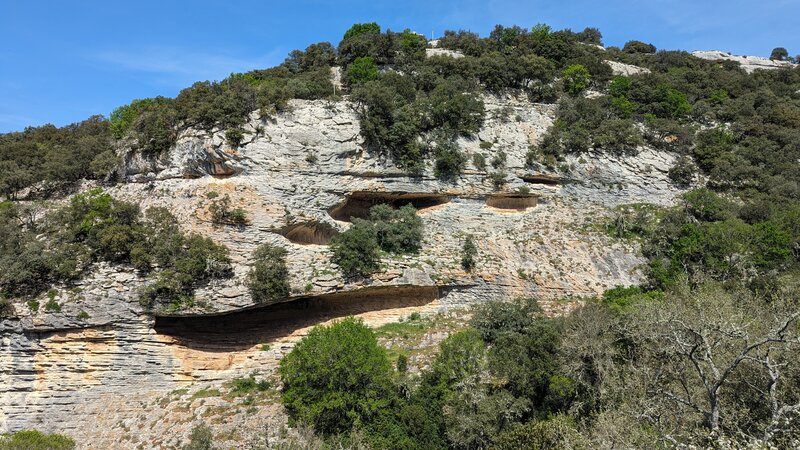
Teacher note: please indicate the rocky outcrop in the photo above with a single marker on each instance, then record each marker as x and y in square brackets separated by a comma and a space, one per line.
[618, 68]
[300, 176]
[748, 63]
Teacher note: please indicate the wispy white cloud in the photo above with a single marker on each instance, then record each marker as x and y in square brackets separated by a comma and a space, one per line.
[173, 65]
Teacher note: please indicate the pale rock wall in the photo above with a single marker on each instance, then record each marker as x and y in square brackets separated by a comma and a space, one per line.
[112, 370]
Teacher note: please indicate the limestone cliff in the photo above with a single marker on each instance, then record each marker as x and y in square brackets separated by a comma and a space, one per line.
[102, 369]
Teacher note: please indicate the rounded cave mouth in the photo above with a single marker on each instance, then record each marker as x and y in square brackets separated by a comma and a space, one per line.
[242, 329]
[357, 204]
[515, 202]
[309, 233]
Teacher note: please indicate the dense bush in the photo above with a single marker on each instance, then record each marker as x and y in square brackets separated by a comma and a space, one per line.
[449, 162]
[362, 70]
[576, 79]
[51, 156]
[356, 251]
[337, 376]
[638, 47]
[268, 277]
[35, 440]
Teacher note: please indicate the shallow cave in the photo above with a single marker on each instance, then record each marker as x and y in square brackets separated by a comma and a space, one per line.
[358, 203]
[306, 233]
[243, 329]
[517, 202]
[549, 180]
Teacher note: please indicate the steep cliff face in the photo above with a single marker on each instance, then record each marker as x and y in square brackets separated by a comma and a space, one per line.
[103, 360]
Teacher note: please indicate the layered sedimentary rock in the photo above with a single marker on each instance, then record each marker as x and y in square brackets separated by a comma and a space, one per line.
[300, 176]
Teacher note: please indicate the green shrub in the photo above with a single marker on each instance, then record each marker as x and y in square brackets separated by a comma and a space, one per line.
[268, 277]
[479, 161]
[779, 53]
[362, 28]
[638, 47]
[468, 253]
[234, 136]
[388, 229]
[35, 440]
[223, 214]
[499, 179]
[449, 162]
[201, 438]
[356, 250]
[336, 376]
[682, 173]
[558, 432]
[576, 79]
[243, 386]
[397, 230]
[362, 70]
[52, 306]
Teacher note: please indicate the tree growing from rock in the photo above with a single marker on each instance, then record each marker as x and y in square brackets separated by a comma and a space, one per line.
[267, 280]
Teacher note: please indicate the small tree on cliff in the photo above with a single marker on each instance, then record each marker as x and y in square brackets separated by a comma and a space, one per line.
[267, 280]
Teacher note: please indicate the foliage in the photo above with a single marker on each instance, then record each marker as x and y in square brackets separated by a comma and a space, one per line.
[638, 47]
[356, 250]
[450, 161]
[201, 438]
[779, 53]
[35, 440]
[361, 70]
[468, 253]
[234, 136]
[392, 230]
[267, 280]
[362, 28]
[6, 308]
[51, 156]
[223, 214]
[337, 376]
[682, 173]
[576, 79]
[96, 227]
[397, 230]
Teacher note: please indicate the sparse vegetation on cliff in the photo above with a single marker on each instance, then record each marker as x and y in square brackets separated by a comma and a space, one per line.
[268, 277]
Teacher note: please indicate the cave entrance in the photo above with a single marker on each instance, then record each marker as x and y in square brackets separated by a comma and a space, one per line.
[243, 329]
[516, 202]
[358, 203]
[306, 233]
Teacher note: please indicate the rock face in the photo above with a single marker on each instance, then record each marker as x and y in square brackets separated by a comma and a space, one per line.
[748, 63]
[103, 360]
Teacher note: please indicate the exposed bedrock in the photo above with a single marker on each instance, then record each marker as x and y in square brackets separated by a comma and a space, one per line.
[357, 204]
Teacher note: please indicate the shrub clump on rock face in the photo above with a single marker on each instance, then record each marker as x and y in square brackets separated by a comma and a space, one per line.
[267, 280]
[356, 251]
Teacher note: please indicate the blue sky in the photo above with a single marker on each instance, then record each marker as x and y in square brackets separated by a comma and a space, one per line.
[62, 61]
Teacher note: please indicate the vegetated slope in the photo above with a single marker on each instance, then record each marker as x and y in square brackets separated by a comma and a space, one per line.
[479, 122]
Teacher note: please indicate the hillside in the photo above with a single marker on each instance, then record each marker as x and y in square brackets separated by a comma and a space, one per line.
[159, 264]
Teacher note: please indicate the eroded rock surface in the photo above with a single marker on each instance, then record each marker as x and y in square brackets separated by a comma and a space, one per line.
[104, 360]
